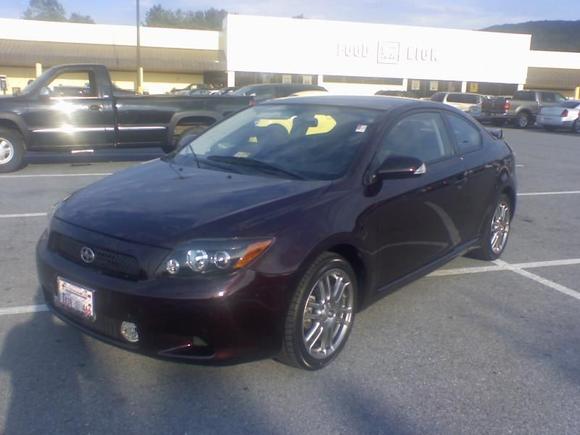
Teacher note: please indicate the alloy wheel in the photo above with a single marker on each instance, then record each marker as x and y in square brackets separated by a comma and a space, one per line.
[6, 151]
[500, 227]
[328, 314]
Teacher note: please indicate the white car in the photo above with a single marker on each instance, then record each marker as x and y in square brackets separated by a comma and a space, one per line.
[566, 115]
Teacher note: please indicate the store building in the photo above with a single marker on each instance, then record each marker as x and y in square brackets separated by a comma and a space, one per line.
[344, 57]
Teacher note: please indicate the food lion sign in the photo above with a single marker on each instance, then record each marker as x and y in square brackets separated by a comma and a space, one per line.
[293, 46]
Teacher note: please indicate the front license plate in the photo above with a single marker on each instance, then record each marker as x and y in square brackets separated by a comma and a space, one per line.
[75, 298]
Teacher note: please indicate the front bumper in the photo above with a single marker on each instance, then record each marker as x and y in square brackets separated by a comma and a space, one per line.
[219, 320]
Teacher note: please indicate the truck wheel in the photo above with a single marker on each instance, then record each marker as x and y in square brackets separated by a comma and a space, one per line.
[12, 150]
[523, 120]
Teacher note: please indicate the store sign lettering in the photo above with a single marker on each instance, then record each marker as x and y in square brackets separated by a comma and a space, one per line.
[388, 52]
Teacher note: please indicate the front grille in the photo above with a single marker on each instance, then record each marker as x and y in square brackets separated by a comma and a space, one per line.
[106, 261]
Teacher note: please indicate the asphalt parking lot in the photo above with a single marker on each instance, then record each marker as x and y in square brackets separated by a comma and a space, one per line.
[474, 348]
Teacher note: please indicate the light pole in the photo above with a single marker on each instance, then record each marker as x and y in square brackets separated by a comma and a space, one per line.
[139, 82]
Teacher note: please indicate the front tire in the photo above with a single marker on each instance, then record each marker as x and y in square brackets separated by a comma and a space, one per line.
[12, 150]
[576, 127]
[495, 237]
[321, 314]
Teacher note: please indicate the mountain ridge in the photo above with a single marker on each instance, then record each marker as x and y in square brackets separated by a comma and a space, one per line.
[550, 35]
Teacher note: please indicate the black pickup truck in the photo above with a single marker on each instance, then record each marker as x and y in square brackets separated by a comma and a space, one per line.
[76, 107]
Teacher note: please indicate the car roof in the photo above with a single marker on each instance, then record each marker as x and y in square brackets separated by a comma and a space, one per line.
[373, 102]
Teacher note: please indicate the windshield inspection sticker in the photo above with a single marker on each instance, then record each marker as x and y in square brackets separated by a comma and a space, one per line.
[361, 128]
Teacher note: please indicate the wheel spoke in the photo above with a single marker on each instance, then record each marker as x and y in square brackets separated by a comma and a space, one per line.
[313, 336]
[326, 342]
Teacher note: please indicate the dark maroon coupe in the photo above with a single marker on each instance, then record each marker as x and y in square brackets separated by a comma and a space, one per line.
[264, 236]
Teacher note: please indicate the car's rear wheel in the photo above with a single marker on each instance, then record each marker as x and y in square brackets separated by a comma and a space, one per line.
[496, 234]
[523, 120]
[11, 150]
[321, 314]
[576, 126]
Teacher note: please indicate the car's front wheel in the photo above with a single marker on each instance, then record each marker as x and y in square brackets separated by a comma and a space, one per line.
[321, 313]
[496, 231]
[576, 126]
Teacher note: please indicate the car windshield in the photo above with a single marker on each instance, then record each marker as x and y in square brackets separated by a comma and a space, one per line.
[291, 141]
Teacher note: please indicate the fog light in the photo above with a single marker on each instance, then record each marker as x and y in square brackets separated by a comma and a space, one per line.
[172, 266]
[129, 332]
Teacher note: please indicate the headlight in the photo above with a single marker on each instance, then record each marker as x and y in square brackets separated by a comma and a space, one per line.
[212, 256]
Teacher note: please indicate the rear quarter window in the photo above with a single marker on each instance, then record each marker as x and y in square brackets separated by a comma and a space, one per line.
[467, 136]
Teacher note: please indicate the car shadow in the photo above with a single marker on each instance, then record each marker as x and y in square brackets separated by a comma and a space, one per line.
[60, 381]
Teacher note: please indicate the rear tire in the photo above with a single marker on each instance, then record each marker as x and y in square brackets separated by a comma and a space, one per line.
[496, 232]
[12, 150]
[576, 127]
[319, 321]
[523, 120]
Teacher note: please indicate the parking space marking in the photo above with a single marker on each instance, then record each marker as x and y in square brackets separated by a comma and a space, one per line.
[548, 283]
[564, 192]
[94, 174]
[499, 267]
[22, 215]
[25, 309]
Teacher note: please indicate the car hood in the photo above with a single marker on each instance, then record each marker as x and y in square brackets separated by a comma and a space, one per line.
[161, 204]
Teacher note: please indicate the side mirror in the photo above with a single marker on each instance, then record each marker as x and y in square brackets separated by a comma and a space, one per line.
[44, 93]
[400, 167]
[496, 132]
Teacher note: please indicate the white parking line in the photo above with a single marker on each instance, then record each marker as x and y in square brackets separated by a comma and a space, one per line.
[553, 285]
[95, 174]
[22, 215]
[23, 310]
[498, 267]
[565, 192]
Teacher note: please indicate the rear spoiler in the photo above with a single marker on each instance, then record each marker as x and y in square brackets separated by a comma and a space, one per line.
[495, 132]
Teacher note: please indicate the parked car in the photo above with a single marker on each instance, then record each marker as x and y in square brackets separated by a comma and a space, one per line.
[192, 89]
[469, 103]
[264, 92]
[257, 241]
[523, 107]
[566, 115]
[49, 116]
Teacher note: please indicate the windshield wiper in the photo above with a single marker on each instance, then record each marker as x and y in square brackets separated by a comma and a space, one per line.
[256, 164]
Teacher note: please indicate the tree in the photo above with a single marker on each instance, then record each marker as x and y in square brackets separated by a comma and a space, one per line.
[52, 10]
[78, 18]
[210, 19]
[45, 10]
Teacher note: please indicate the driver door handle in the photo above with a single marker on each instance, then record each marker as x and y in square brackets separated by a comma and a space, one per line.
[96, 107]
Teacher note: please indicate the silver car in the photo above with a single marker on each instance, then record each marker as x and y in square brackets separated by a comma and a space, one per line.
[565, 115]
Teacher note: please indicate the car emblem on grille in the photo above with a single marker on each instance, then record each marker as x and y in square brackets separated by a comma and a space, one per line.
[87, 255]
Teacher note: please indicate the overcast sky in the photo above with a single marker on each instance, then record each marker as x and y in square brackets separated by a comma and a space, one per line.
[468, 14]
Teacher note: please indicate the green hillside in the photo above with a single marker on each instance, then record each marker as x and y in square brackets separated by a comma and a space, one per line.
[546, 35]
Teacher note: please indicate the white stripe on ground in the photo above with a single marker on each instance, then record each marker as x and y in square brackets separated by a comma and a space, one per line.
[553, 285]
[564, 192]
[498, 267]
[23, 310]
[95, 174]
[22, 215]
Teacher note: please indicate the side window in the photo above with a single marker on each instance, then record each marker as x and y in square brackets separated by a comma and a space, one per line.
[73, 84]
[421, 135]
[439, 97]
[559, 98]
[524, 96]
[454, 98]
[466, 135]
[548, 97]
[263, 93]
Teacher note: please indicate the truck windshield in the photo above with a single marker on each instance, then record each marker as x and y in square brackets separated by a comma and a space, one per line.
[296, 141]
